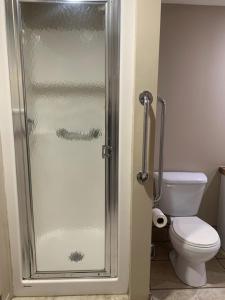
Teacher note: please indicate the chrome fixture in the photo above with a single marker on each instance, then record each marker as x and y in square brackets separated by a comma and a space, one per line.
[30, 125]
[106, 151]
[85, 136]
[145, 99]
[161, 148]
[76, 256]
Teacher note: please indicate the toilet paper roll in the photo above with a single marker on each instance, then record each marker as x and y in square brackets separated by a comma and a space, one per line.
[158, 218]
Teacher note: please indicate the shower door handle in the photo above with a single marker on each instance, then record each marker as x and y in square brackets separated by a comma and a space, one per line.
[145, 99]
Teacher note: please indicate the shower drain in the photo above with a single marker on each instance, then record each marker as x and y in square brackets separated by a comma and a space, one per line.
[76, 256]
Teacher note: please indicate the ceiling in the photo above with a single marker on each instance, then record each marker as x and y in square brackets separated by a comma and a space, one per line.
[197, 2]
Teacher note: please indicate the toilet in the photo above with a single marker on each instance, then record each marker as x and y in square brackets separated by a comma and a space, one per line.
[194, 241]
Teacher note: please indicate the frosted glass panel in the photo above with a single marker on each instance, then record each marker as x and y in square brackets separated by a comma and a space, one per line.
[64, 66]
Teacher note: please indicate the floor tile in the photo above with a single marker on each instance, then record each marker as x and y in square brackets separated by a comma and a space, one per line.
[100, 297]
[221, 254]
[222, 262]
[164, 277]
[175, 295]
[33, 298]
[162, 250]
[70, 298]
[211, 294]
[193, 294]
[120, 297]
[215, 274]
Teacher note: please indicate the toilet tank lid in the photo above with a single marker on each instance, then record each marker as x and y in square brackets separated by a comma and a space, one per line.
[183, 177]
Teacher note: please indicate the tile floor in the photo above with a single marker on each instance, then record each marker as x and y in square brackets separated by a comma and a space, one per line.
[190, 294]
[165, 284]
[107, 297]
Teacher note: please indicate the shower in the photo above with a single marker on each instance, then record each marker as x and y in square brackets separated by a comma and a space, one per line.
[65, 120]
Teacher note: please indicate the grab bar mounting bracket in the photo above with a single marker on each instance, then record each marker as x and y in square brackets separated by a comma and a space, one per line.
[145, 96]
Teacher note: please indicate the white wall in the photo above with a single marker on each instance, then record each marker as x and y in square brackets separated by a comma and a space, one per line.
[5, 261]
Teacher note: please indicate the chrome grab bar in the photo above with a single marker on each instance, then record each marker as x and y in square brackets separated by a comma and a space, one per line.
[161, 149]
[145, 99]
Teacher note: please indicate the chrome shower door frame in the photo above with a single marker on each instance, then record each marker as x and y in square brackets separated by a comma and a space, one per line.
[29, 267]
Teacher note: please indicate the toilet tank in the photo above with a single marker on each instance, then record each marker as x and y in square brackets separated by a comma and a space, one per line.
[182, 193]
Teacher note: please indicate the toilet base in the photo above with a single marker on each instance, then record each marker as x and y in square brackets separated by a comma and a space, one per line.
[192, 274]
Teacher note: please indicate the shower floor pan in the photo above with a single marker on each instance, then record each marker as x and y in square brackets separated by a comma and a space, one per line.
[71, 250]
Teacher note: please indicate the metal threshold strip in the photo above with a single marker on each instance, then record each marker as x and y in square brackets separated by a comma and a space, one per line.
[72, 274]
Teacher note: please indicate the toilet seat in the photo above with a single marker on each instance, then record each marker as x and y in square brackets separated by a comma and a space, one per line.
[194, 232]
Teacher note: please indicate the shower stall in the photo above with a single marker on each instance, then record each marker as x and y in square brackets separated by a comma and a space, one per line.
[71, 125]
[64, 78]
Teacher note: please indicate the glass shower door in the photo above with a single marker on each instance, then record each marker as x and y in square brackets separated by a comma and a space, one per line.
[64, 62]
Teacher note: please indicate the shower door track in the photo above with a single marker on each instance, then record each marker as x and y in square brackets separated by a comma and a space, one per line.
[25, 206]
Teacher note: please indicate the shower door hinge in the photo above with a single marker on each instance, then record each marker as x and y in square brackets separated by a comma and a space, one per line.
[106, 151]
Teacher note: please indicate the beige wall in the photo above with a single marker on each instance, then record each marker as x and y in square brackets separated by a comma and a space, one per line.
[5, 265]
[147, 29]
[192, 79]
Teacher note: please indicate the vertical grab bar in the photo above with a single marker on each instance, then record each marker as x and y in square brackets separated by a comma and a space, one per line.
[161, 149]
[145, 99]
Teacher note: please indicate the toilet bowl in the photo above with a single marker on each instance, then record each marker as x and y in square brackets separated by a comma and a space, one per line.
[194, 242]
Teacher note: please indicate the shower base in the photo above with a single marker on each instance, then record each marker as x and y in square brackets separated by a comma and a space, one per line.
[71, 250]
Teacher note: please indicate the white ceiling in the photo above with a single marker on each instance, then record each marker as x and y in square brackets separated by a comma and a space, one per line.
[197, 2]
